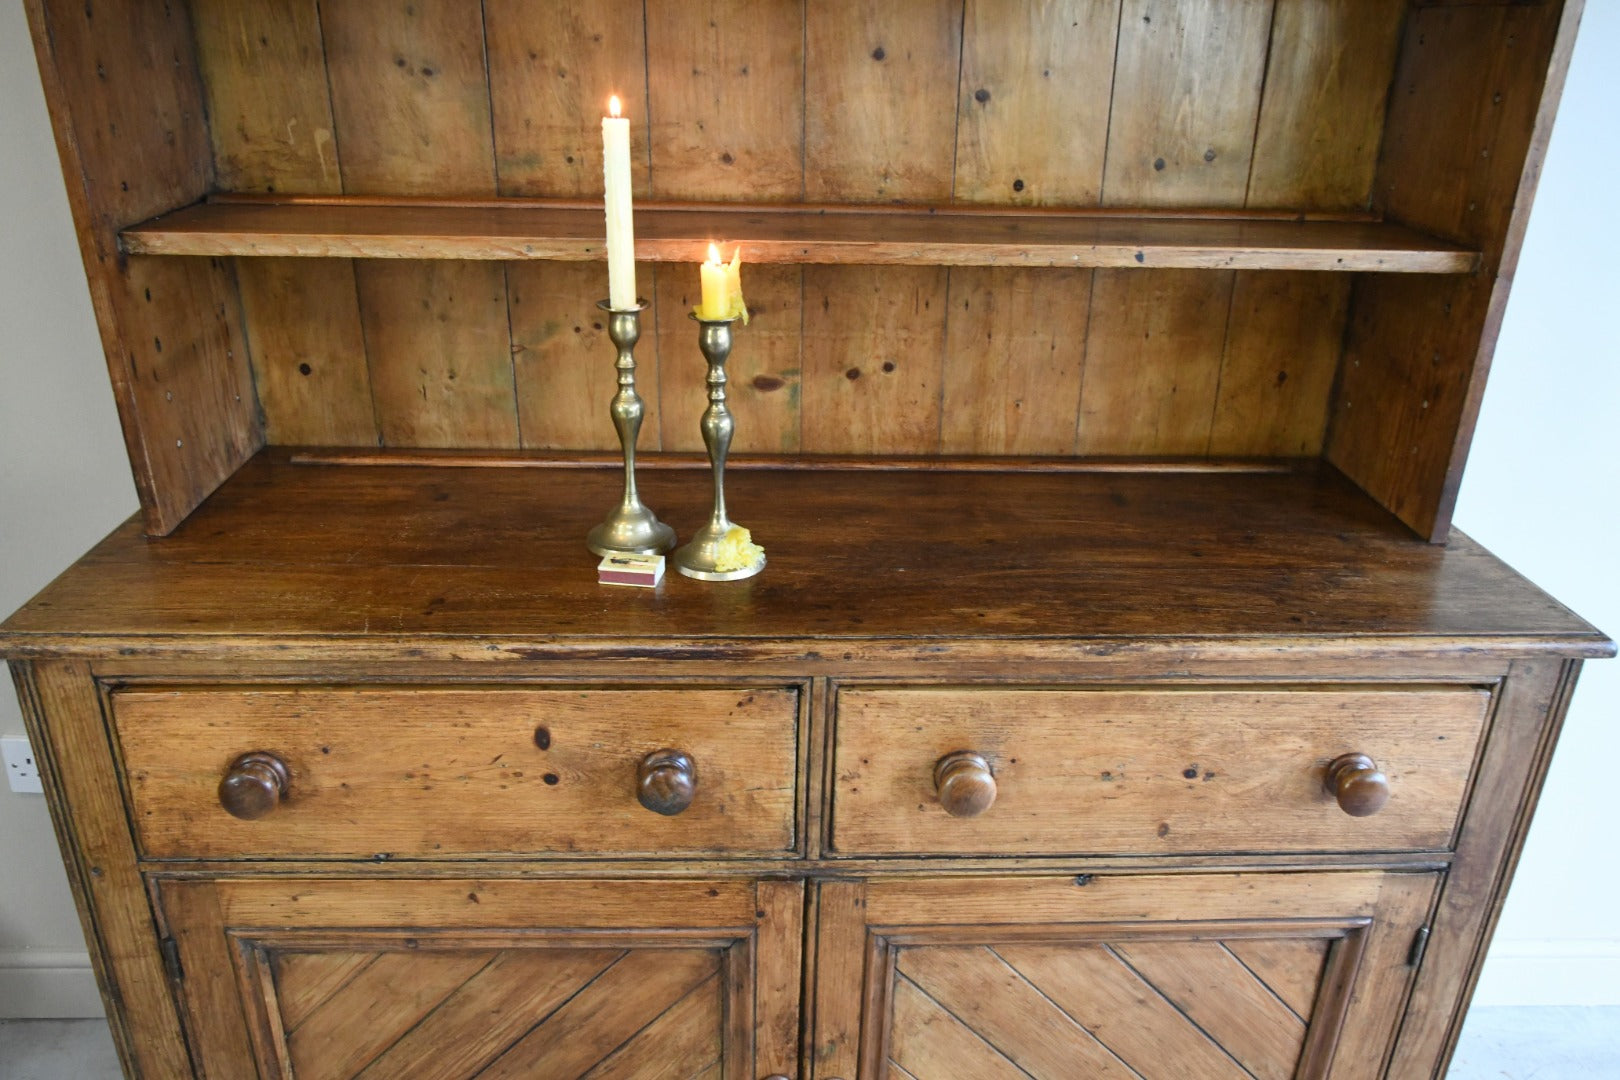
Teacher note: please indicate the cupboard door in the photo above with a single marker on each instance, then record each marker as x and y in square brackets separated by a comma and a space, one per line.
[445, 979]
[1273, 976]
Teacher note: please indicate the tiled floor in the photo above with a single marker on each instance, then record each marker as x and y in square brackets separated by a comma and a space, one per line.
[1497, 1044]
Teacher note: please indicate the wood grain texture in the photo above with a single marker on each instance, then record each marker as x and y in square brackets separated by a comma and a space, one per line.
[552, 66]
[127, 104]
[63, 720]
[269, 108]
[452, 773]
[1471, 111]
[563, 361]
[764, 372]
[880, 91]
[874, 341]
[386, 228]
[1139, 965]
[727, 80]
[1187, 84]
[441, 356]
[1283, 340]
[1153, 361]
[1322, 114]
[309, 351]
[1079, 556]
[1030, 71]
[1150, 771]
[1014, 353]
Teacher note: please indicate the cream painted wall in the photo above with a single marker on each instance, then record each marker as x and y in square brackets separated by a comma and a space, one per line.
[1542, 490]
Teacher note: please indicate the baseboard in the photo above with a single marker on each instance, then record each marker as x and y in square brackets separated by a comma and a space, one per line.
[1551, 973]
[40, 984]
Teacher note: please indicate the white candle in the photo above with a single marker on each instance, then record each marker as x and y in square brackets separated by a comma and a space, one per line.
[621, 234]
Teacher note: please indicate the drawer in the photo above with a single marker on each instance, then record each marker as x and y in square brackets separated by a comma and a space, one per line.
[419, 772]
[1150, 772]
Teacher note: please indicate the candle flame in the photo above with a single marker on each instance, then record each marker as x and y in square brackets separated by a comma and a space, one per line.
[714, 255]
[613, 105]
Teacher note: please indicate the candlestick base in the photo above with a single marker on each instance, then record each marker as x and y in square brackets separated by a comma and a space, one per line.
[631, 527]
[696, 558]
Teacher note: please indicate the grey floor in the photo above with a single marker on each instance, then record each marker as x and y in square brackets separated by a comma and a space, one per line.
[1497, 1044]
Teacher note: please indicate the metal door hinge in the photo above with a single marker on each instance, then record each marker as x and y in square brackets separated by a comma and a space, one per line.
[1420, 945]
[171, 959]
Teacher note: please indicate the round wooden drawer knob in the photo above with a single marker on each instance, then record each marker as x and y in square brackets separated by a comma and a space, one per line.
[1355, 781]
[253, 786]
[666, 782]
[964, 784]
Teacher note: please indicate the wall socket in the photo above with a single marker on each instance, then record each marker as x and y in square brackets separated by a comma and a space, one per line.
[21, 771]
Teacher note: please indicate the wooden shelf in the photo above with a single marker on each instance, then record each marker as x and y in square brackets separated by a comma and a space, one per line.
[510, 229]
[490, 563]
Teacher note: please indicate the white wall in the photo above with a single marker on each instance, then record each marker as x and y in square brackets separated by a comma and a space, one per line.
[1542, 491]
[64, 483]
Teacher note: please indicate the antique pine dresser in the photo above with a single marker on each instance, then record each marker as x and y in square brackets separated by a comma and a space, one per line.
[1117, 700]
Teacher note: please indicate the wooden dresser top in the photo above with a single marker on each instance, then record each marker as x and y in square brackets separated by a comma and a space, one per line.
[411, 561]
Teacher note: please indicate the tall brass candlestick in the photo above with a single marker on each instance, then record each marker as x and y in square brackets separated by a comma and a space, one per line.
[697, 558]
[632, 526]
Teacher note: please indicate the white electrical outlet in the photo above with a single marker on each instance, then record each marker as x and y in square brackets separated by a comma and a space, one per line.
[20, 768]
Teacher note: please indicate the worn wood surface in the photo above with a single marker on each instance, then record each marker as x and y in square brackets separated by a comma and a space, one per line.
[1472, 109]
[457, 772]
[341, 552]
[1133, 975]
[520, 230]
[1149, 771]
[340, 986]
[127, 106]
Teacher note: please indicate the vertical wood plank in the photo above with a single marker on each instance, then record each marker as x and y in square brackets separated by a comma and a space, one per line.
[726, 82]
[215, 1020]
[1186, 95]
[880, 93]
[1032, 109]
[841, 988]
[873, 338]
[127, 106]
[441, 364]
[1325, 96]
[411, 100]
[1015, 346]
[552, 66]
[1282, 349]
[1153, 360]
[563, 360]
[777, 987]
[270, 113]
[309, 355]
[763, 387]
[1472, 109]
[65, 727]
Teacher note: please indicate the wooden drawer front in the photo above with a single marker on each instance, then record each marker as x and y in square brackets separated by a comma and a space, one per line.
[441, 772]
[1150, 771]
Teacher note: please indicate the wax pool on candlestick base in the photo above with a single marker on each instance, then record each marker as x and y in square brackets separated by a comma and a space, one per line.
[621, 235]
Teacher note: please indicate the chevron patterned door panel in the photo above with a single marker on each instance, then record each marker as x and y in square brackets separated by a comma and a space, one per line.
[1215, 976]
[450, 980]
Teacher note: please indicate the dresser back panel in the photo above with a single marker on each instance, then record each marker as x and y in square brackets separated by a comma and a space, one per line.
[1145, 104]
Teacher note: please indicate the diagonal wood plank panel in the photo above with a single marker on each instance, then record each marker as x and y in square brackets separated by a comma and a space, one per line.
[1146, 1009]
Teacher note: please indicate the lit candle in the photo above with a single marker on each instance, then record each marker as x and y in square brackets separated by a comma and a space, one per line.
[716, 288]
[621, 233]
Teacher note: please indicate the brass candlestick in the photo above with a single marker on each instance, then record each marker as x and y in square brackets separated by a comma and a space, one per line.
[632, 526]
[697, 559]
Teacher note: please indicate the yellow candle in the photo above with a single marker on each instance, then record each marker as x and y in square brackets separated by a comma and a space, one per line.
[716, 288]
[722, 287]
[621, 236]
